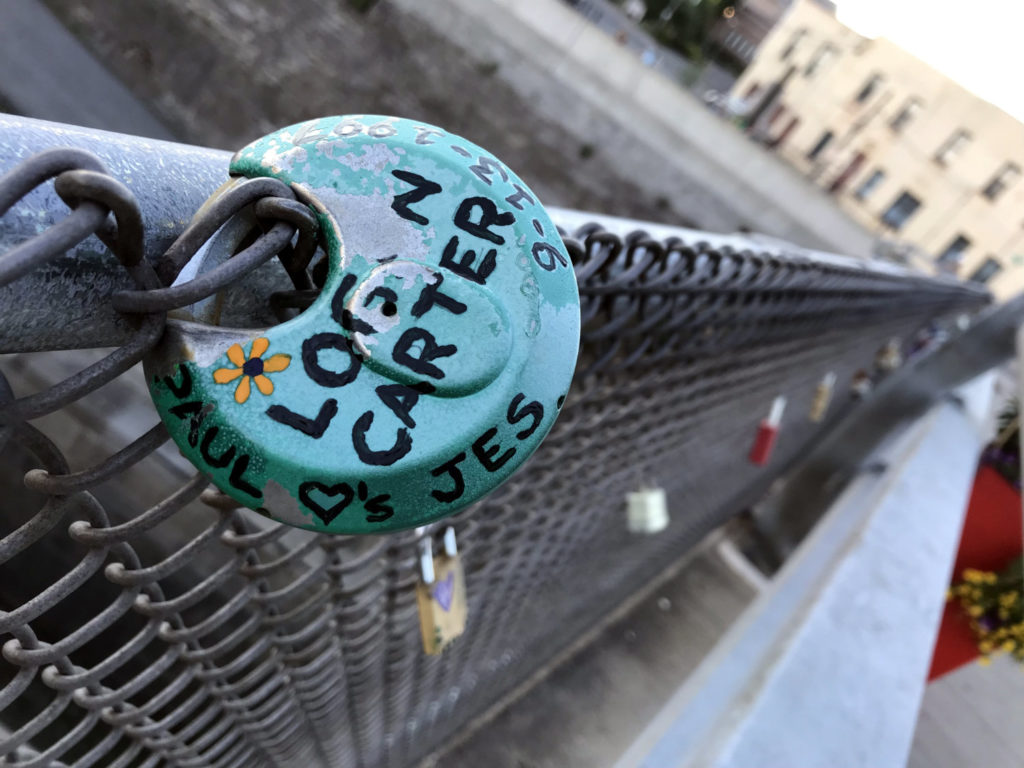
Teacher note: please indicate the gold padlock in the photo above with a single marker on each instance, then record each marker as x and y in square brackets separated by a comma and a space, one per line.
[822, 398]
[441, 595]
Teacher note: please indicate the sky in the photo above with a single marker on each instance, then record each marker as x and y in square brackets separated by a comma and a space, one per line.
[975, 42]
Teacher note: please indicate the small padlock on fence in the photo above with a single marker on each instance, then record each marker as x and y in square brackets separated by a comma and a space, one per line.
[767, 433]
[441, 595]
[822, 397]
[646, 510]
[889, 357]
[860, 385]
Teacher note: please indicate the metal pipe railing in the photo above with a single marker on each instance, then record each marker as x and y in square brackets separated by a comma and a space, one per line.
[171, 181]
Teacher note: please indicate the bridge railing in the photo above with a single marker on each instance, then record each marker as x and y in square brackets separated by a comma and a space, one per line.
[144, 622]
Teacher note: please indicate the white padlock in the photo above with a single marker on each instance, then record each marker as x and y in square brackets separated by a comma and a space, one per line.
[646, 511]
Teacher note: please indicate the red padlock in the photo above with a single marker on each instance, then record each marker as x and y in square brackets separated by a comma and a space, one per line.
[767, 432]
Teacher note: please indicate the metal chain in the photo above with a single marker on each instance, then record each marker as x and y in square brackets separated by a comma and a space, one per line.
[194, 634]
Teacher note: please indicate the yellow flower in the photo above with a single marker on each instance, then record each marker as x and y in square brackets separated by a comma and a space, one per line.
[253, 369]
[1009, 646]
[972, 575]
[975, 610]
[984, 661]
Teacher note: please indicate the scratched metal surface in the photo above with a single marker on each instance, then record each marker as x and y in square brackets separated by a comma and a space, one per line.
[145, 622]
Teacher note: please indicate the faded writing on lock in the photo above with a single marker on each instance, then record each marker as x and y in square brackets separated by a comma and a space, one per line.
[417, 358]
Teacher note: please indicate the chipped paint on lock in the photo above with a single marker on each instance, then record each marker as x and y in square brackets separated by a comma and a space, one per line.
[429, 368]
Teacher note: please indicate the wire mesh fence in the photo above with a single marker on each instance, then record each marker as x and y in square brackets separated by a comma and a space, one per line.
[145, 622]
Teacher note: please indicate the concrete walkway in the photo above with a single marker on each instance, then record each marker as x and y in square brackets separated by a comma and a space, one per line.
[972, 717]
[48, 74]
[588, 710]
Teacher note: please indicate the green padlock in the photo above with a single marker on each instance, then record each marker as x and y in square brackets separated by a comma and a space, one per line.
[430, 367]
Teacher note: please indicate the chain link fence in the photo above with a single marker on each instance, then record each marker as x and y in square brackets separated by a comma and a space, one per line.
[147, 622]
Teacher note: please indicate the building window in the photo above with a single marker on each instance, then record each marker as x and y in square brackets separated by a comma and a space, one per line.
[817, 149]
[1006, 176]
[819, 59]
[870, 185]
[869, 87]
[900, 211]
[794, 41]
[790, 127]
[907, 113]
[988, 269]
[839, 182]
[954, 251]
[953, 146]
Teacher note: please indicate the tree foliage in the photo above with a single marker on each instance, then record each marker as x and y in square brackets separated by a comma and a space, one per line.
[687, 28]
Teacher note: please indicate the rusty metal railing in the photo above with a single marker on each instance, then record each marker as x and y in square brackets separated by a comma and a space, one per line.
[142, 626]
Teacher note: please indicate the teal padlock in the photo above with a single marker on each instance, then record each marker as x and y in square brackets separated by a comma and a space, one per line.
[430, 367]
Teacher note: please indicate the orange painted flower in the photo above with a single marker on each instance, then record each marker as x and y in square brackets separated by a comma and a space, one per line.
[253, 369]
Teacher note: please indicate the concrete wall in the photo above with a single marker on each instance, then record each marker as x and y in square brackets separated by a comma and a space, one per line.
[555, 98]
[723, 180]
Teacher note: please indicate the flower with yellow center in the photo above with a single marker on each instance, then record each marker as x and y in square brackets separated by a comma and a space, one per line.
[252, 369]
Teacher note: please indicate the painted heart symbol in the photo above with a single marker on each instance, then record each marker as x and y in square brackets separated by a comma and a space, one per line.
[326, 510]
[444, 590]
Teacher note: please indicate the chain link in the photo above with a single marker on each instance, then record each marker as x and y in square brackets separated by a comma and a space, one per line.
[191, 633]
